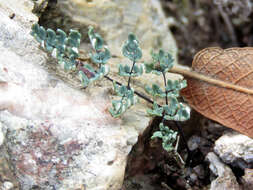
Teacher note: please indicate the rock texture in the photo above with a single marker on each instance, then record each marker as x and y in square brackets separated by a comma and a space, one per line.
[115, 19]
[1, 135]
[236, 149]
[225, 177]
[57, 137]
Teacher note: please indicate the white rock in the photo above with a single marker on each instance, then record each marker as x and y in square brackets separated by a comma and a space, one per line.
[225, 179]
[1, 135]
[59, 137]
[234, 146]
[116, 19]
[7, 185]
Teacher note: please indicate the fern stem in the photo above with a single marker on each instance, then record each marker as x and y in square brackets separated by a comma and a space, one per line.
[165, 84]
[129, 79]
[189, 156]
[187, 72]
[137, 93]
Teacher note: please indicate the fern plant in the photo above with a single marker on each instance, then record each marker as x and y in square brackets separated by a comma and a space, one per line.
[87, 74]
[99, 58]
[62, 47]
[172, 109]
[65, 49]
[132, 51]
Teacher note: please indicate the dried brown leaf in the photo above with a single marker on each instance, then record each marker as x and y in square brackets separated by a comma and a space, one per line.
[227, 106]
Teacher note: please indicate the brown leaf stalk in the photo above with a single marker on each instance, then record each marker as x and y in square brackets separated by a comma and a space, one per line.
[187, 72]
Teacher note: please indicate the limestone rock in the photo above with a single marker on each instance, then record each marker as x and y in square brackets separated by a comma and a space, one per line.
[7, 176]
[225, 177]
[7, 186]
[1, 135]
[58, 137]
[115, 19]
[236, 149]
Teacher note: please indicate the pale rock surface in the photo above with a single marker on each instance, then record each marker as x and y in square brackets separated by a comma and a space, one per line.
[115, 19]
[235, 148]
[7, 186]
[1, 135]
[58, 137]
[225, 177]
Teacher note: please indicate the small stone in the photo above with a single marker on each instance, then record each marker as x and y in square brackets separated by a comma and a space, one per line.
[199, 170]
[193, 178]
[194, 142]
[234, 148]
[197, 142]
[226, 178]
[7, 185]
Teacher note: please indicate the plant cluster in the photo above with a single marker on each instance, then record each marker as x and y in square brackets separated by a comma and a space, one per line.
[172, 109]
[65, 49]
[62, 47]
[100, 58]
[132, 51]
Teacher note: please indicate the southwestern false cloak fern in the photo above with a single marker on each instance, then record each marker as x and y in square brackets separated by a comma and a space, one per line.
[100, 58]
[172, 109]
[167, 135]
[62, 47]
[161, 63]
[132, 51]
[65, 49]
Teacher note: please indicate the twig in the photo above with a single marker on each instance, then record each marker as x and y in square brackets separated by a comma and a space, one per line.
[192, 74]
[177, 156]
